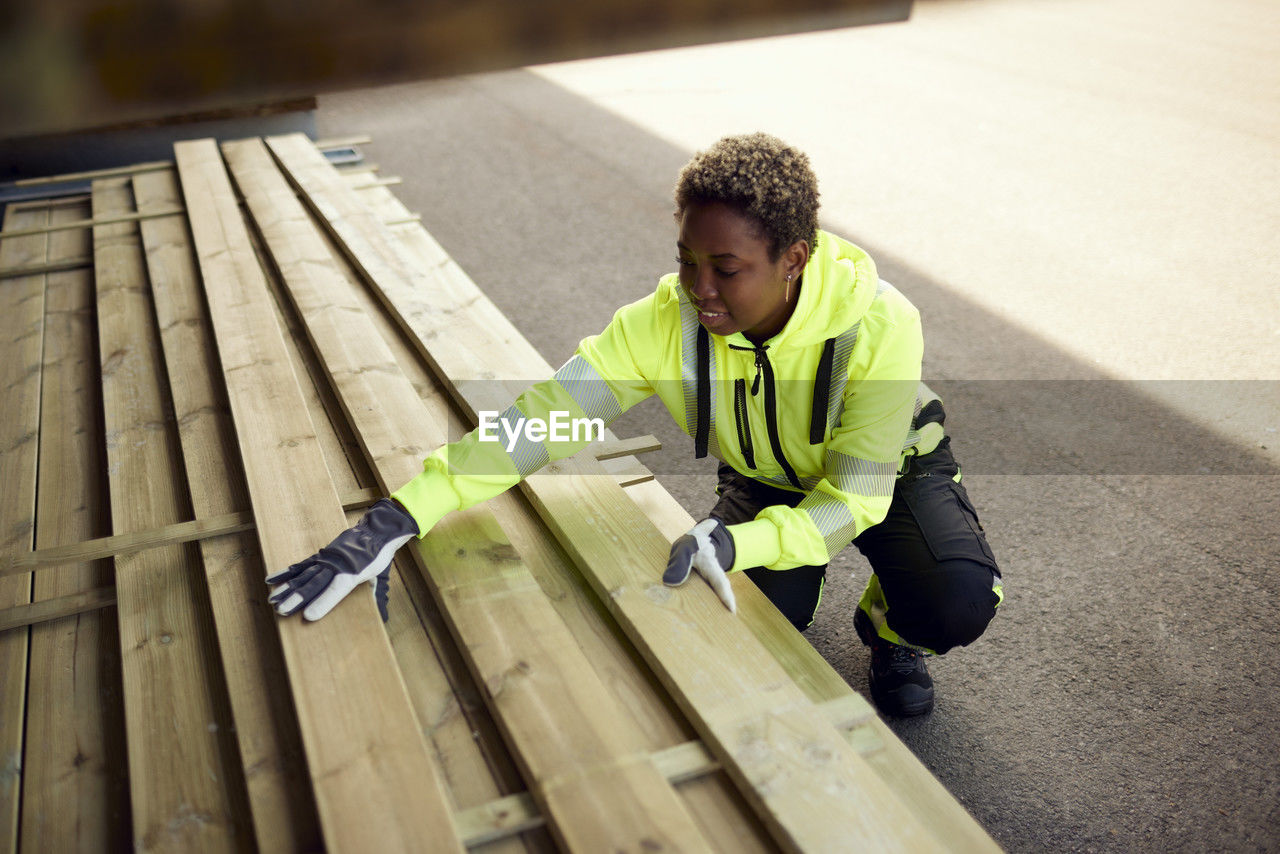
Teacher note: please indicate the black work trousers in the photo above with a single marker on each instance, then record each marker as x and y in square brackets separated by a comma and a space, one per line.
[935, 583]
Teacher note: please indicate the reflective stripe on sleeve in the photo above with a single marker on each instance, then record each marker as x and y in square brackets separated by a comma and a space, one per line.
[807, 482]
[832, 518]
[588, 389]
[860, 477]
[852, 476]
[527, 456]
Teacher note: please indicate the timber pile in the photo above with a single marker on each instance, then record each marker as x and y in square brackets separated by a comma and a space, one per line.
[209, 367]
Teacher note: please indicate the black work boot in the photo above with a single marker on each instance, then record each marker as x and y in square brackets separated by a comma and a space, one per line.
[899, 681]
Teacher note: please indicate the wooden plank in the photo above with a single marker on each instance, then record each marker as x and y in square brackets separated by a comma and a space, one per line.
[460, 735]
[791, 764]
[446, 722]
[284, 814]
[417, 661]
[91, 222]
[166, 535]
[497, 820]
[588, 770]
[49, 202]
[714, 801]
[609, 450]
[76, 263]
[681, 764]
[113, 172]
[376, 786]
[22, 307]
[459, 739]
[458, 730]
[463, 737]
[74, 769]
[183, 786]
[493, 330]
[47, 610]
[627, 471]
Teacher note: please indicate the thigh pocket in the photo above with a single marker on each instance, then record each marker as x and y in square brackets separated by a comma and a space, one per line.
[947, 520]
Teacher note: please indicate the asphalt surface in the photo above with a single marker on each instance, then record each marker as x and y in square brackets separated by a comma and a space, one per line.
[1083, 199]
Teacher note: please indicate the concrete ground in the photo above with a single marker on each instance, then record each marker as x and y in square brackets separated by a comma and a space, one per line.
[1083, 199]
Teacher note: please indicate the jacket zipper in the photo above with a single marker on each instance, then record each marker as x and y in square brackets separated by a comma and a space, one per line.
[770, 410]
[743, 422]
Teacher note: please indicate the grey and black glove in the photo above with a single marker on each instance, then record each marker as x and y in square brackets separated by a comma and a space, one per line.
[361, 553]
[708, 548]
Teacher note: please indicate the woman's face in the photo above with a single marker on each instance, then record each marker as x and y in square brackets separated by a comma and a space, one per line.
[725, 268]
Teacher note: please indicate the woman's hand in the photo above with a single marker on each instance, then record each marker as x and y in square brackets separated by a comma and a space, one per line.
[708, 548]
[361, 553]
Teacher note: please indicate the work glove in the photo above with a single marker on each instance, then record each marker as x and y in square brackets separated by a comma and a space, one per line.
[708, 548]
[360, 553]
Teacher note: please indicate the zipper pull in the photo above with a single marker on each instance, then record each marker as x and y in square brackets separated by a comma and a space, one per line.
[761, 358]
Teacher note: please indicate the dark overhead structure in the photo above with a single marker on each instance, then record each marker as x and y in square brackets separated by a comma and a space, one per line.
[68, 65]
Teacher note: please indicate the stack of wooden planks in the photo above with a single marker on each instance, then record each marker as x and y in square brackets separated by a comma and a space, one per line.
[210, 366]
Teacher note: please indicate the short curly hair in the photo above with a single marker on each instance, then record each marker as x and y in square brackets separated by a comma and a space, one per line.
[762, 177]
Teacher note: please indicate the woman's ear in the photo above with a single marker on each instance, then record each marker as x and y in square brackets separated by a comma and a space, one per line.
[795, 258]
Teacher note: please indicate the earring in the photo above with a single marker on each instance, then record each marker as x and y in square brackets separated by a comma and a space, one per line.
[787, 298]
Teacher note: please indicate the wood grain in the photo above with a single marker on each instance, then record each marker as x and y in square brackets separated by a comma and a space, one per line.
[112, 172]
[97, 548]
[376, 786]
[182, 783]
[284, 814]
[810, 788]
[682, 764]
[22, 306]
[589, 772]
[35, 269]
[713, 800]
[715, 807]
[460, 734]
[44, 611]
[71, 225]
[76, 787]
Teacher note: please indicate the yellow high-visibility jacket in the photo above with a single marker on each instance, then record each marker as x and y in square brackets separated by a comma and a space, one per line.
[831, 406]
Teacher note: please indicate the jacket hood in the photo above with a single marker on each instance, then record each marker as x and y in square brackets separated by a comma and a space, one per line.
[838, 285]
